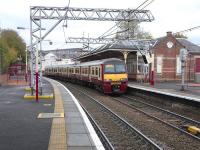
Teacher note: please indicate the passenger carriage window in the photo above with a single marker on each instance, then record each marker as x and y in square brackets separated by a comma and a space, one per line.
[82, 70]
[86, 71]
[96, 71]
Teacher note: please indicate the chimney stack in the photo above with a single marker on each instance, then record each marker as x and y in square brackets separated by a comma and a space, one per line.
[169, 33]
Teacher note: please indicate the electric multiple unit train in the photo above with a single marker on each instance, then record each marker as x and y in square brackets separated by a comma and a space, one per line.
[108, 75]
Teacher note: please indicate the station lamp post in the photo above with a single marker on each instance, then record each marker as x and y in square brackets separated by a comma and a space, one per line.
[183, 58]
[26, 53]
[1, 66]
[36, 65]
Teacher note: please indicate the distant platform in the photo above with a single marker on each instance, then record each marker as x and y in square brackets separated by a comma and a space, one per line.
[192, 92]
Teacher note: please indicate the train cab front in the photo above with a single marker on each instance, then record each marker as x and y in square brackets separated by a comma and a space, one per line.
[115, 78]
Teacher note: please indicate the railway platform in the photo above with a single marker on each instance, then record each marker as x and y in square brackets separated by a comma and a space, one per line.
[191, 91]
[59, 123]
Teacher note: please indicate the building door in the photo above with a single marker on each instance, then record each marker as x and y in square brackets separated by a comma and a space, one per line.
[197, 66]
[197, 70]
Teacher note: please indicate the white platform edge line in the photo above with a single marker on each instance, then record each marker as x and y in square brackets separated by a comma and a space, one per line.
[165, 93]
[92, 132]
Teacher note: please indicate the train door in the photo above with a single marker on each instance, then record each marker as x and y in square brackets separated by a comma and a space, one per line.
[99, 73]
[89, 72]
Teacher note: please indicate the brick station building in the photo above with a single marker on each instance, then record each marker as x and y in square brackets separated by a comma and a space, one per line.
[167, 64]
[166, 60]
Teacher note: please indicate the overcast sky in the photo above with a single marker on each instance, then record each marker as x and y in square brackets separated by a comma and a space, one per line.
[170, 15]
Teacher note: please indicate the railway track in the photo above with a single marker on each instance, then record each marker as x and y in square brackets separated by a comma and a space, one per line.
[167, 117]
[165, 136]
[122, 135]
[106, 143]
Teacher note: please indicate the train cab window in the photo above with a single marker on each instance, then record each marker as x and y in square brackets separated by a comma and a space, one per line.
[115, 68]
[109, 68]
[120, 68]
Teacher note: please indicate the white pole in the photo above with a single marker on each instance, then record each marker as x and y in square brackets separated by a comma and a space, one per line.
[182, 74]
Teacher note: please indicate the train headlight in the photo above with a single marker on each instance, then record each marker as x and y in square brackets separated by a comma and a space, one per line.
[107, 80]
[123, 79]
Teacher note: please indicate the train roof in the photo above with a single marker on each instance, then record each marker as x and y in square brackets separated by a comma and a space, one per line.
[92, 63]
[55, 66]
[97, 62]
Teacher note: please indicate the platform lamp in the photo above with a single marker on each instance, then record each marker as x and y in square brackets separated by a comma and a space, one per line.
[26, 57]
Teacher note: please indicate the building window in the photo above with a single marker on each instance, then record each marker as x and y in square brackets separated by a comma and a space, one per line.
[159, 65]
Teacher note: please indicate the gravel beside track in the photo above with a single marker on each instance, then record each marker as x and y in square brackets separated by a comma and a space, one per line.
[168, 103]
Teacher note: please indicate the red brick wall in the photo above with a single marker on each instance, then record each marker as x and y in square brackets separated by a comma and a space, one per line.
[169, 56]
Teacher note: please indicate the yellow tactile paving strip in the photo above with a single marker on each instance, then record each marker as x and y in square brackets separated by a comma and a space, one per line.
[31, 97]
[58, 130]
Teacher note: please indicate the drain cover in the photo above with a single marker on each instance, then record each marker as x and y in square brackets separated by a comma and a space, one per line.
[51, 115]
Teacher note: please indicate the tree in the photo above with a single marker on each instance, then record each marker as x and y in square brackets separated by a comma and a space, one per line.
[13, 40]
[132, 30]
[12, 47]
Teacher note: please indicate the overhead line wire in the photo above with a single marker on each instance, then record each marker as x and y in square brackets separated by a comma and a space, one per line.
[102, 36]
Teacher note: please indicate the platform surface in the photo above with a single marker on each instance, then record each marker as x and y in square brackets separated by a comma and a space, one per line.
[191, 90]
[22, 129]
[80, 134]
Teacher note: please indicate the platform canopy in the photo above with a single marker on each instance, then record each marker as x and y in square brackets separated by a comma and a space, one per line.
[116, 49]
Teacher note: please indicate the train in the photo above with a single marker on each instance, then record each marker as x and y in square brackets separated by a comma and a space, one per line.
[108, 75]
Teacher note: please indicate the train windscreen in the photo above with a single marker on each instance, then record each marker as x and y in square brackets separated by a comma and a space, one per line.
[114, 68]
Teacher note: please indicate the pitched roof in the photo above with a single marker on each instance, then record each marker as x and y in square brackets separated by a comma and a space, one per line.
[191, 47]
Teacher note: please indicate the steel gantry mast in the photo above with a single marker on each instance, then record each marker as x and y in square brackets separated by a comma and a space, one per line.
[41, 13]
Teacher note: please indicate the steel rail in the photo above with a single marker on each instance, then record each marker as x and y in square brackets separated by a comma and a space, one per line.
[156, 118]
[142, 138]
[166, 111]
[106, 143]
